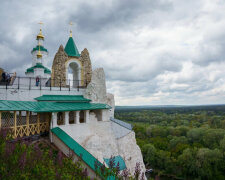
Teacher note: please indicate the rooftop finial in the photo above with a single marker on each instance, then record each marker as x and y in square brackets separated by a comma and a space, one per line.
[70, 28]
[40, 35]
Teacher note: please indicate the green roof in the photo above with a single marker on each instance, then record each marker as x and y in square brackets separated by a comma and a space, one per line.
[87, 157]
[118, 159]
[41, 48]
[33, 106]
[38, 65]
[71, 49]
[63, 98]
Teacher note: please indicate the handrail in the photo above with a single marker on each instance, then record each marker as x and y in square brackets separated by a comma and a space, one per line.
[20, 82]
[122, 123]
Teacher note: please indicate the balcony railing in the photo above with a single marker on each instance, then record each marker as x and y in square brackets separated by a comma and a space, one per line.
[17, 82]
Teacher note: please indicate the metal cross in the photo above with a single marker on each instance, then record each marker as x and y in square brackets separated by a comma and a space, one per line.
[41, 23]
[70, 28]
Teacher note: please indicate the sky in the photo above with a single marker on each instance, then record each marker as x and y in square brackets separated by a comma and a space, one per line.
[154, 52]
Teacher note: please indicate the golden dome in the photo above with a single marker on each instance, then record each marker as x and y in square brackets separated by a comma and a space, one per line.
[40, 35]
[39, 55]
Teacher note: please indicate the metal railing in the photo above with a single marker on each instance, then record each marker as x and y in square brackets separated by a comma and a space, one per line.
[17, 82]
[122, 123]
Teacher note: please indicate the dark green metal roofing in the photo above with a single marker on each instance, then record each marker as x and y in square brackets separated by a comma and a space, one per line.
[71, 48]
[49, 106]
[63, 98]
[17, 105]
[38, 65]
[41, 48]
[118, 159]
[87, 157]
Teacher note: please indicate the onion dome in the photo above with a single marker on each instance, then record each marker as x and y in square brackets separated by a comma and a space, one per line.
[40, 35]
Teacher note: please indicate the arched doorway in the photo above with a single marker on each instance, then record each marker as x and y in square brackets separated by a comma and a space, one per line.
[73, 74]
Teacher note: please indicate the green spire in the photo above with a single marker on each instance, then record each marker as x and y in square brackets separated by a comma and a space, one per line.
[71, 48]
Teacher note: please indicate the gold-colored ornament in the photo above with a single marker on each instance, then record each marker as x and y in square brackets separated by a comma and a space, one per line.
[71, 29]
[40, 35]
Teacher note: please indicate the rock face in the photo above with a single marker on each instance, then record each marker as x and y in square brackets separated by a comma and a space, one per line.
[130, 150]
[106, 139]
[58, 68]
[96, 89]
[86, 61]
[110, 101]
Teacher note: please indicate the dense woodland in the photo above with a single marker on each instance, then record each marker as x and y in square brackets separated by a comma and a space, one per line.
[180, 142]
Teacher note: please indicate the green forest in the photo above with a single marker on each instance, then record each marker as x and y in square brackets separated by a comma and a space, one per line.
[180, 142]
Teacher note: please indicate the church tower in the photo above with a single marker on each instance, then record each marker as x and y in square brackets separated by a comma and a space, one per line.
[39, 54]
[71, 68]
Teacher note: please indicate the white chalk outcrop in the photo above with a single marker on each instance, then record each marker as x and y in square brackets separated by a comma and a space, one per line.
[96, 89]
[106, 139]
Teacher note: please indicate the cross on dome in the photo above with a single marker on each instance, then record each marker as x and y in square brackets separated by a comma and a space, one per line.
[71, 24]
[40, 35]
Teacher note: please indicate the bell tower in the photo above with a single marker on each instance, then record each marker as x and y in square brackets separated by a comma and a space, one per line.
[39, 53]
[75, 68]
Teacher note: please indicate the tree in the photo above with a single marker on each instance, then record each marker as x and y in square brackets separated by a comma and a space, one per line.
[196, 134]
[212, 137]
[208, 163]
[149, 152]
[187, 162]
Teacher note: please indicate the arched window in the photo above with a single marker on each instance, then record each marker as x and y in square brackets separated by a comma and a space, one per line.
[73, 73]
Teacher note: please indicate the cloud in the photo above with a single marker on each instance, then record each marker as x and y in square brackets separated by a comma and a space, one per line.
[153, 51]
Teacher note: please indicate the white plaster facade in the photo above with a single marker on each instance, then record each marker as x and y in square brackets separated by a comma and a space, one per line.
[29, 95]
[68, 152]
[41, 60]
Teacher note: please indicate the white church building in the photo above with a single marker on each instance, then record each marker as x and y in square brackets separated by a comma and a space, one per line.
[71, 103]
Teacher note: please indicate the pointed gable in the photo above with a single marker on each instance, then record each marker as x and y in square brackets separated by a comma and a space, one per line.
[71, 49]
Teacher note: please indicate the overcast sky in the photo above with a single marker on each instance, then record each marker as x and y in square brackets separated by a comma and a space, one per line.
[154, 52]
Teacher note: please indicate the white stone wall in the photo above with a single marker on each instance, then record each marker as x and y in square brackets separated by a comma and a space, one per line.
[104, 139]
[39, 72]
[96, 137]
[29, 95]
[119, 131]
[67, 152]
[105, 115]
[111, 102]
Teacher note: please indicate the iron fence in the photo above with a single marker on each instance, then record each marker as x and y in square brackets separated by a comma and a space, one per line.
[42, 83]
